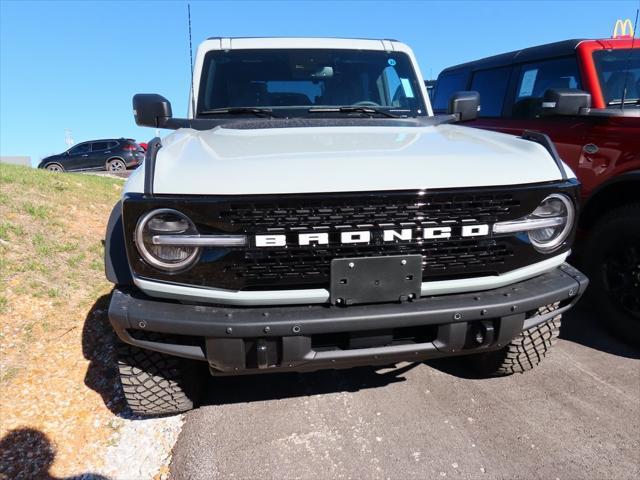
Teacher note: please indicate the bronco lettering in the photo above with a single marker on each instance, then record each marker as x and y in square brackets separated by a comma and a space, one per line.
[365, 236]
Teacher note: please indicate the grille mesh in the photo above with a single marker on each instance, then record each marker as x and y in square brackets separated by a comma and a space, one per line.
[441, 257]
[377, 210]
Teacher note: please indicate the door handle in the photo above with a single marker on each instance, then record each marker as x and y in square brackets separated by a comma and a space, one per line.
[85, 155]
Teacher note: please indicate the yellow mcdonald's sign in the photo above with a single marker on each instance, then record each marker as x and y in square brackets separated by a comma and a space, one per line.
[622, 25]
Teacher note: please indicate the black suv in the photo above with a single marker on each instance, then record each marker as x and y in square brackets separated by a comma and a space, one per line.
[113, 155]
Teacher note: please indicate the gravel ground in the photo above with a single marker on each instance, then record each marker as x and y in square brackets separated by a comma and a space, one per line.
[142, 449]
[575, 416]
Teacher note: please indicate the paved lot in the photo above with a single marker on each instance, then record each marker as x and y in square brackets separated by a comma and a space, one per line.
[576, 416]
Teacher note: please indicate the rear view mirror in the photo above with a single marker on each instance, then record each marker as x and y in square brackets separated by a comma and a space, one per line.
[151, 110]
[565, 101]
[465, 105]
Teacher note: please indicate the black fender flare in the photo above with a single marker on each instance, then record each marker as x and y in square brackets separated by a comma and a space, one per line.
[116, 264]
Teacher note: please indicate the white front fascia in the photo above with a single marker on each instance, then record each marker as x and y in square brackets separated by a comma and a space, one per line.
[321, 295]
[302, 43]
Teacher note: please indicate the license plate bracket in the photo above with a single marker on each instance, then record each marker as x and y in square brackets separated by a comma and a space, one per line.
[394, 278]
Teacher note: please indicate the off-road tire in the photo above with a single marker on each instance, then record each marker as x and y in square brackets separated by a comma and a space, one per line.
[616, 231]
[523, 353]
[158, 384]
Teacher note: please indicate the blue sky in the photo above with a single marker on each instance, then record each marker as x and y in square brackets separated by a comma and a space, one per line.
[75, 65]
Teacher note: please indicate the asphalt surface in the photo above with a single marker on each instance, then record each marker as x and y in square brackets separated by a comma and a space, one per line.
[576, 416]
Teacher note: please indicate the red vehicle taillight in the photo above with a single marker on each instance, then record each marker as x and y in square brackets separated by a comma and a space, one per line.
[130, 147]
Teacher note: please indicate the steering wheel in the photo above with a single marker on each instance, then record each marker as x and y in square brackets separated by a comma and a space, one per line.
[366, 103]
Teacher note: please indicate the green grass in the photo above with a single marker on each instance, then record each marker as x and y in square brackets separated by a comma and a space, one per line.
[37, 211]
[51, 226]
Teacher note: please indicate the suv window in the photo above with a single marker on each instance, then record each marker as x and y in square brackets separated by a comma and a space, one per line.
[299, 79]
[619, 70]
[492, 86]
[537, 78]
[447, 85]
[99, 146]
[82, 148]
[112, 144]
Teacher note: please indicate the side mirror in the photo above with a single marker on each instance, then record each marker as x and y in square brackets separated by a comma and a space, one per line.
[465, 105]
[151, 110]
[565, 101]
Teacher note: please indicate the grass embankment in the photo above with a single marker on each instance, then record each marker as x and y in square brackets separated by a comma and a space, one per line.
[51, 275]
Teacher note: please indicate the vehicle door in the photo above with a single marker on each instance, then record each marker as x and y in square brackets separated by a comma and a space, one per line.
[522, 105]
[77, 157]
[99, 154]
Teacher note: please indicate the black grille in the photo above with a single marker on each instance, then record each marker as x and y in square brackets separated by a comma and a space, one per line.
[254, 218]
[439, 259]
[312, 264]
[294, 266]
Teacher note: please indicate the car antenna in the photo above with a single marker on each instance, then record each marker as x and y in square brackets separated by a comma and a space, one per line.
[193, 100]
[626, 77]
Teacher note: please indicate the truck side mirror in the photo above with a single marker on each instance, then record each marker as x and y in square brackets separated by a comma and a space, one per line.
[151, 110]
[565, 101]
[465, 105]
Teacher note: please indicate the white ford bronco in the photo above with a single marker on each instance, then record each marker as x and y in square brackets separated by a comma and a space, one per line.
[312, 213]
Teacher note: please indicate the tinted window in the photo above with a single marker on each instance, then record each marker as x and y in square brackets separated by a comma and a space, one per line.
[112, 144]
[619, 70]
[447, 84]
[492, 86]
[537, 78]
[298, 79]
[82, 148]
[99, 146]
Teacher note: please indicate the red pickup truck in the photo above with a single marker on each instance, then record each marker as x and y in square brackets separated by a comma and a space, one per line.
[585, 95]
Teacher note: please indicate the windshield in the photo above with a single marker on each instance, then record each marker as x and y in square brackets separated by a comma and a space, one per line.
[290, 82]
[618, 69]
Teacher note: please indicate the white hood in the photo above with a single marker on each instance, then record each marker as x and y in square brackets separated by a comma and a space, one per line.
[343, 159]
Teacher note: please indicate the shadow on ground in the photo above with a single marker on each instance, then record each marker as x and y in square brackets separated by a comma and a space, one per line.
[273, 386]
[27, 453]
[581, 325]
[99, 347]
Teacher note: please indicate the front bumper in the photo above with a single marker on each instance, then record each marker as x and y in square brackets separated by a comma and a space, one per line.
[314, 337]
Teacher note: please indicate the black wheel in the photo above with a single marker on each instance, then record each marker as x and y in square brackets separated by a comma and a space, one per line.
[612, 262]
[523, 353]
[116, 165]
[54, 167]
[158, 384]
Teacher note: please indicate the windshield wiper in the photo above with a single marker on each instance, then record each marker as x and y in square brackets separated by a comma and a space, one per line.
[627, 101]
[371, 111]
[257, 111]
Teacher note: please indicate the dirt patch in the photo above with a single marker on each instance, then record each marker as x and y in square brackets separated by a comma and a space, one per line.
[59, 393]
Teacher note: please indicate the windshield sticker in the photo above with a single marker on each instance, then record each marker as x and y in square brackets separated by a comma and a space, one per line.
[391, 62]
[528, 81]
[406, 86]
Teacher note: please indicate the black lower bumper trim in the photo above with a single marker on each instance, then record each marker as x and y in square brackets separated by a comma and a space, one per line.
[280, 338]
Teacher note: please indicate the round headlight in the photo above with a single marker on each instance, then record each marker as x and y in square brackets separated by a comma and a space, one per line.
[160, 223]
[557, 207]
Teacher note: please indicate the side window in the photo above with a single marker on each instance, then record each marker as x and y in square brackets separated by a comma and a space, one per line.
[537, 78]
[447, 84]
[82, 148]
[97, 146]
[492, 86]
[112, 145]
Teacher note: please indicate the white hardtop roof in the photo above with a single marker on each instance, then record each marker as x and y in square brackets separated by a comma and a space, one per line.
[243, 43]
